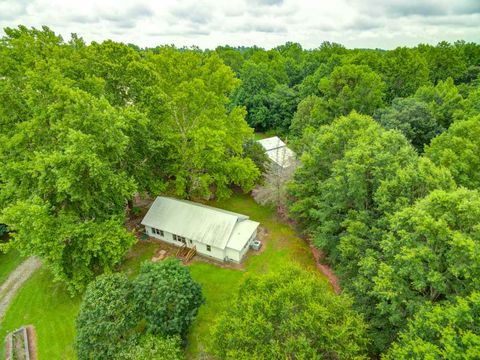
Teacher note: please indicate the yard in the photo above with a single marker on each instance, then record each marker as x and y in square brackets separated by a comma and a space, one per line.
[8, 262]
[48, 307]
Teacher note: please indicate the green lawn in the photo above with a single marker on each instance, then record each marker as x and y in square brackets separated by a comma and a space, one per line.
[52, 311]
[8, 262]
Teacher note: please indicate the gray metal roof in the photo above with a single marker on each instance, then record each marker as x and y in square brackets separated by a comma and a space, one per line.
[202, 223]
[271, 143]
[278, 152]
[283, 156]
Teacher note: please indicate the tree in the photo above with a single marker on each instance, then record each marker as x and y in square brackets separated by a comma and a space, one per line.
[309, 115]
[471, 105]
[413, 118]
[75, 250]
[289, 314]
[257, 84]
[167, 297]
[405, 70]
[447, 331]
[340, 173]
[202, 143]
[63, 165]
[352, 87]
[154, 348]
[430, 254]
[457, 149]
[256, 152]
[106, 319]
[273, 191]
[444, 61]
[444, 100]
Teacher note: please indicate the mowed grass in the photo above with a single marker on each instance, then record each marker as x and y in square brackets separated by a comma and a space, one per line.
[52, 311]
[8, 262]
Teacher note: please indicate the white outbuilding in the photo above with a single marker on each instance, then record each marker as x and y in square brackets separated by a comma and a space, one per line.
[278, 152]
[217, 233]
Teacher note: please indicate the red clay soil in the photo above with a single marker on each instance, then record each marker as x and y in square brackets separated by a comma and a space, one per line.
[325, 269]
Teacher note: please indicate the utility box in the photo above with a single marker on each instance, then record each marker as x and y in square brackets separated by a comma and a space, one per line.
[256, 244]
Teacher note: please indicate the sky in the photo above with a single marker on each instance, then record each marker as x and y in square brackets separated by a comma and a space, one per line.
[382, 24]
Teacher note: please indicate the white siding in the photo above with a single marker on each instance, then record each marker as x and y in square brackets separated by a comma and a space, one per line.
[237, 256]
[216, 253]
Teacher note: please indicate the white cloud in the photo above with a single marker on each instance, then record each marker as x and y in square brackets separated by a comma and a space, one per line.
[267, 23]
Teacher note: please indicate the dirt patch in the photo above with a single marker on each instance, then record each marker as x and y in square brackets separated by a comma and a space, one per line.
[326, 270]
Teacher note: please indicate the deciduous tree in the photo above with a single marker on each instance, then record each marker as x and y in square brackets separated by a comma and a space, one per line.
[289, 314]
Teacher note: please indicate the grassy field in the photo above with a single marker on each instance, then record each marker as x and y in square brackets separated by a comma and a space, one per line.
[52, 311]
[8, 262]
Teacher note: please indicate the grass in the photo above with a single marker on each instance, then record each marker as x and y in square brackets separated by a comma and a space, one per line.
[52, 311]
[8, 262]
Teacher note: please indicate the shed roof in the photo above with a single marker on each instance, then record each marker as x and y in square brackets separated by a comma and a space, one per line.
[283, 156]
[202, 223]
[271, 143]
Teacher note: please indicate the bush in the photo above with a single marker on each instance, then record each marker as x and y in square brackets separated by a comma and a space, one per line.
[167, 297]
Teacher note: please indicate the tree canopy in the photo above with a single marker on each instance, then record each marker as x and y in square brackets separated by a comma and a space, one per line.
[289, 314]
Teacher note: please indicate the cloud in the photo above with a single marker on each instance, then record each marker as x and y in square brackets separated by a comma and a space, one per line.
[266, 23]
[267, 2]
[194, 13]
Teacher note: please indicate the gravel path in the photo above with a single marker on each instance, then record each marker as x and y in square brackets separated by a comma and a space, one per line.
[15, 280]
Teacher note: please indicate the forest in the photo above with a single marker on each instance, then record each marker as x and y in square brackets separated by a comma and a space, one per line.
[387, 187]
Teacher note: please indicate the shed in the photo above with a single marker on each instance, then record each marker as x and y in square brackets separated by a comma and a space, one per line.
[217, 233]
[278, 152]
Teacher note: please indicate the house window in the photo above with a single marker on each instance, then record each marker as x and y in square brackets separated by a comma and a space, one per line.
[179, 238]
[158, 232]
[209, 248]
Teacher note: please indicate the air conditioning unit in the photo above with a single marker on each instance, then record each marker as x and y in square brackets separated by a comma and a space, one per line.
[256, 244]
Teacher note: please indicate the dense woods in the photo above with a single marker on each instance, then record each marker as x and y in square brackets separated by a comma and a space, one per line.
[387, 185]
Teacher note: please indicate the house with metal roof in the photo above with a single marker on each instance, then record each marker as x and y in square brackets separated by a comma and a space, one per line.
[278, 152]
[216, 233]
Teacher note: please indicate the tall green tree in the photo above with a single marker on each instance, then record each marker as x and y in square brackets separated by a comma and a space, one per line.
[447, 331]
[106, 321]
[457, 149]
[405, 70]
[352, 87]
[430, 254]
[289, 314]
[340, 173]
[202, 142]
[444, 100]
[413, 118]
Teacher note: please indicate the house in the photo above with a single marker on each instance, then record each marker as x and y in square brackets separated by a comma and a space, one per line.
[278, 152]
[216, 233]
